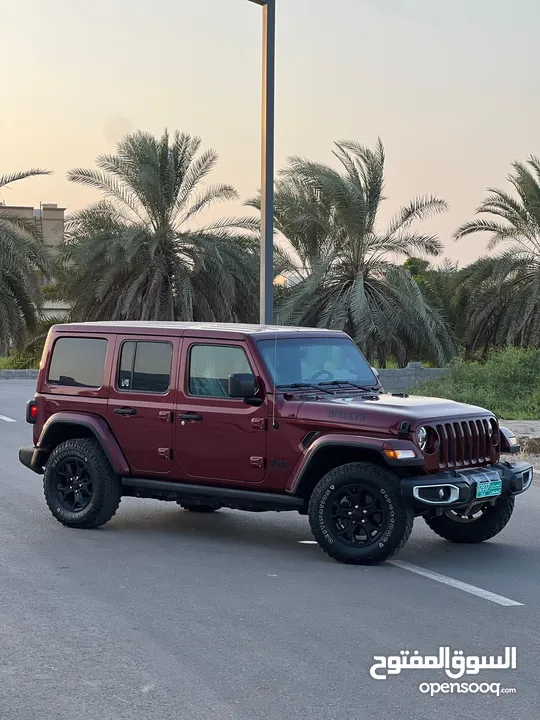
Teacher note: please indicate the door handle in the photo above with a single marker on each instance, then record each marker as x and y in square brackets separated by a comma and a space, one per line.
[125, 411]
[191, 417]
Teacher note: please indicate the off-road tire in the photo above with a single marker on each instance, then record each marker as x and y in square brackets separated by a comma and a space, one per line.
[384, 486]
[106, 487]
[490, 523]
[193, 507]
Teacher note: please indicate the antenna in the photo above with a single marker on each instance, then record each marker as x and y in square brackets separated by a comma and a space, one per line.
[275, 425]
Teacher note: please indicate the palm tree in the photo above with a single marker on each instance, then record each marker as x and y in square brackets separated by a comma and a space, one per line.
[343, 263]
[30, 355]
[504, 302]
[22, 257]
[136, 255]
[445, 289]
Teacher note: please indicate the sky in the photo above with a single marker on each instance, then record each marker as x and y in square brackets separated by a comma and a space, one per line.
[451, 86]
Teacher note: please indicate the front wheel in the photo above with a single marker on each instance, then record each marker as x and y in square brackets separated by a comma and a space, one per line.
[473, 526]
[357, 515]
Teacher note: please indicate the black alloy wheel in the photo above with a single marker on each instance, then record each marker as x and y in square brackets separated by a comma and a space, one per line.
[358, 515]
[74, 486]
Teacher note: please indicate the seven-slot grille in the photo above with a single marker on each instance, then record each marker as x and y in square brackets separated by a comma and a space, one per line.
[464, 442]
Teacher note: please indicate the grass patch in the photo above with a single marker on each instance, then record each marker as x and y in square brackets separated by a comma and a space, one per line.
[508, 384]
[17, 362]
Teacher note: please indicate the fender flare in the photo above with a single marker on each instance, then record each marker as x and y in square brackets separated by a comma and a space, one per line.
[100, 430]
[378, 445]
[509, 443]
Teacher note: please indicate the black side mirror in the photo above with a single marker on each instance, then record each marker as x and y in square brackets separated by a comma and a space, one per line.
[242, 385]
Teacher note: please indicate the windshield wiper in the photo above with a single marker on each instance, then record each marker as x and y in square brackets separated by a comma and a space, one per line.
[303, 386]
[337, 383]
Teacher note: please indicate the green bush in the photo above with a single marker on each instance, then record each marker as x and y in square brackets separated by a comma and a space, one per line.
[18, 362]
[508, 384]
[29, 357]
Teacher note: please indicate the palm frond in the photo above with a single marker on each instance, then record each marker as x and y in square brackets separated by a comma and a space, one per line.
[419, 209]
[21, 175]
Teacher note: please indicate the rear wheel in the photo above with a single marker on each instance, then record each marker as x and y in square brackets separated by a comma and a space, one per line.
[80, 486]
[193, 507]
[357, 515]
[476, 525]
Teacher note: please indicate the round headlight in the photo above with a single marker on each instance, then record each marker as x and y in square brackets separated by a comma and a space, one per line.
[422, 436]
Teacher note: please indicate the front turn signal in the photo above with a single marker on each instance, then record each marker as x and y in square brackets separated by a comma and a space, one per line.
[400, 454]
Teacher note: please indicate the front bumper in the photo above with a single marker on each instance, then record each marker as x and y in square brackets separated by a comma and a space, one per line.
[33, 458]
[457, 488]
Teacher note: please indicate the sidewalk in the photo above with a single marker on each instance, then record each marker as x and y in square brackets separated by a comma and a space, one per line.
[523, 428]
[528, 434]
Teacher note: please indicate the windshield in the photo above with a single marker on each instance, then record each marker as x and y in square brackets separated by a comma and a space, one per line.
[315, 360]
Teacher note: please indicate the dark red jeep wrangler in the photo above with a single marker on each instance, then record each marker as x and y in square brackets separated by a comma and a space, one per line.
[261, 418]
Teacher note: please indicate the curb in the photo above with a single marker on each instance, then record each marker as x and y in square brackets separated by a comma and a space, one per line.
[18, 374]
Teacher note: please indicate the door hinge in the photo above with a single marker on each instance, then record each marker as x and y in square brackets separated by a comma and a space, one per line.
[258, 423]
[257, 462]
[165, 453]
[166, 415]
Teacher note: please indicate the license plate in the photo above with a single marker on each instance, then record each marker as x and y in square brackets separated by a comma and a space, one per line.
[488, 489]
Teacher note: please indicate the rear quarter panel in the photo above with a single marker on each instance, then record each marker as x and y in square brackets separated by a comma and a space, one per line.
[53, 399]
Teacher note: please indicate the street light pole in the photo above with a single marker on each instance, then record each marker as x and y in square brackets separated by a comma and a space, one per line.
[267, 160]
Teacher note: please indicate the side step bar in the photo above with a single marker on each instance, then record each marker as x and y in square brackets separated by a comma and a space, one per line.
[227, 497]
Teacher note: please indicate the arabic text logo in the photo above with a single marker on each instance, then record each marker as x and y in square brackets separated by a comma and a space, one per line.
[455, 664]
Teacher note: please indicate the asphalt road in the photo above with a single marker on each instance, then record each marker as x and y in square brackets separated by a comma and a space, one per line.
[164, 614]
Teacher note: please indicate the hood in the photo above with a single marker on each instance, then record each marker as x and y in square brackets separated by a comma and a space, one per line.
[386, 412]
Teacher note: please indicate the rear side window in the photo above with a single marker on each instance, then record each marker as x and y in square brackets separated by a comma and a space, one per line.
[145, 367]
[78, 362]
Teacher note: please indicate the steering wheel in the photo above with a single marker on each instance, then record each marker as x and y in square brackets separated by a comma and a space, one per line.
[319, 374]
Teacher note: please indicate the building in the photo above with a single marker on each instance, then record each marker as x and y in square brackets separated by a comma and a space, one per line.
[49, 218]
[287, 279]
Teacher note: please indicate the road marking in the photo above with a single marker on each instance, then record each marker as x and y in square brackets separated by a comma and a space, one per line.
[445, 580]
[7, 419]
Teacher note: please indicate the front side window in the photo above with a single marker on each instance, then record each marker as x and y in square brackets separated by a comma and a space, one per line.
[145, 367]
[313, 360]
[210, 367]
[78, 362]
